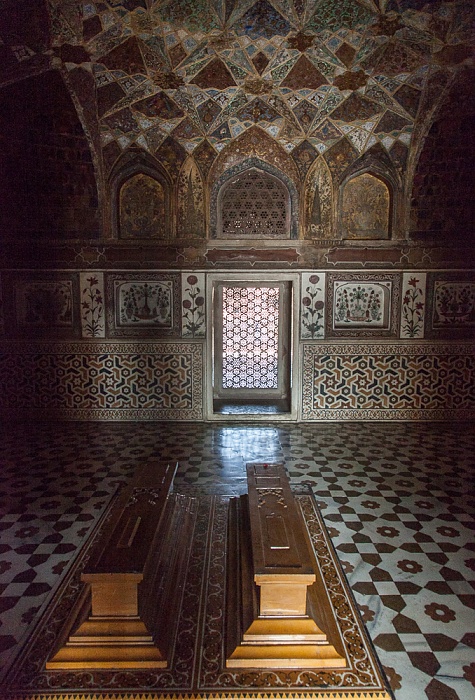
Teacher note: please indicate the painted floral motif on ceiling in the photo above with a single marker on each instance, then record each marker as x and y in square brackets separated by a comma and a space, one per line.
[325, 77]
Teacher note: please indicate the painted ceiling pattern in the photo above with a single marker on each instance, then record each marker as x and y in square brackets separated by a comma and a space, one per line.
[312, 74]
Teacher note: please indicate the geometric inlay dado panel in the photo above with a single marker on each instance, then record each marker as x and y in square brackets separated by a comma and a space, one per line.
[83, 381]
[388, 382]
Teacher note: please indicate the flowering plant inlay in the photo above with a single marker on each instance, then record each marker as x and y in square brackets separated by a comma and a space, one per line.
[360, 304]
[193, 311]
[413, 309]
[145, 303]
[92, 308]
[312, 309]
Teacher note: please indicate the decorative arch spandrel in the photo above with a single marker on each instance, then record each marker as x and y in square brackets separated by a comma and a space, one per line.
[190, 208]
[318, 203]
[254, 143]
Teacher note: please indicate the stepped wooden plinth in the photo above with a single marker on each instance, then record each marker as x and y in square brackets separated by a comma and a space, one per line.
[109, 628]
[274, 598]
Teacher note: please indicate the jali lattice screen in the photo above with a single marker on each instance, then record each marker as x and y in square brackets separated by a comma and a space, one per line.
[250, 337]
[254, 205]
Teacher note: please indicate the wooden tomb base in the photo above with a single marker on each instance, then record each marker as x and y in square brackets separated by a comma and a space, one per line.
[129, 581]
[278, 615]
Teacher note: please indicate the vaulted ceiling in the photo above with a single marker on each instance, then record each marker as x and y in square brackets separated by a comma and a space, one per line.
[307, 71]
[171, 78]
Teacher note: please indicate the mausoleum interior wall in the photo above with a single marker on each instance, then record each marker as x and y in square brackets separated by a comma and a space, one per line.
[122, 125]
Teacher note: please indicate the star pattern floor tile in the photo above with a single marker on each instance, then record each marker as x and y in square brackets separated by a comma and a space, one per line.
[397, 500]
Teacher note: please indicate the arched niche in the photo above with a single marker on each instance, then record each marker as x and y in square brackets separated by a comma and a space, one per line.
[254, 200]
[190, 205]
[366, 207]
[141, 194]
[318, 201]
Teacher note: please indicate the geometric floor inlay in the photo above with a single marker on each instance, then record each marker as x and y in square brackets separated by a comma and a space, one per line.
[396, 498]
[198, 660]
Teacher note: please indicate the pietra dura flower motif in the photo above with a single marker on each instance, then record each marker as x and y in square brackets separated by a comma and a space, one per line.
[440, 612]
[412, 567]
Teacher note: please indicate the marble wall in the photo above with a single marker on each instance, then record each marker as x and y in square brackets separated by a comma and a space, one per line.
[130, 345]
[125, 127]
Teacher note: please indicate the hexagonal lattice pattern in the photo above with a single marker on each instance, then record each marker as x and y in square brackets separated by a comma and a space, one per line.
[254, 205]
[250, 337]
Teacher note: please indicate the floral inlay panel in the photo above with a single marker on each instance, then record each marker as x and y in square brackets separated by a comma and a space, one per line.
[362, 304]
[454, 304]
[413, 305]
[193, 319]
[44, 304]
[92, 304]
[143, 304]
[312, 309]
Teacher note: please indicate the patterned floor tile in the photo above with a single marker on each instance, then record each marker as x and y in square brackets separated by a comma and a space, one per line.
[395, 498]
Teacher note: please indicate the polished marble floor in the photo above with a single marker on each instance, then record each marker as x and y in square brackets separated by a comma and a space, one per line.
[397, 499]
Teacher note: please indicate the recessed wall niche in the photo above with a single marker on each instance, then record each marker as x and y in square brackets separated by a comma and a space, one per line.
[365, 208]
[141, 208]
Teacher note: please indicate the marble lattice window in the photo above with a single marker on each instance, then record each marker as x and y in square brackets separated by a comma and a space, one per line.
[142, 208]
[254, 204]
[365, 208]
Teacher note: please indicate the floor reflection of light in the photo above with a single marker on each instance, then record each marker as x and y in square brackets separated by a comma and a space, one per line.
[248, 443]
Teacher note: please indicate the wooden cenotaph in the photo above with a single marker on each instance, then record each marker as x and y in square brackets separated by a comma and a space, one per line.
[277, 606]
[110, 626]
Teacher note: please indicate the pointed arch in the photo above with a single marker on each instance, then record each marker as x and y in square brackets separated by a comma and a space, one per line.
[190, 205]
[365, 207]
[141, 198]
[280, 189]
[369, 197]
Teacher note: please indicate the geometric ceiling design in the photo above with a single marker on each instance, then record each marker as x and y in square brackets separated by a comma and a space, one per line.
[310, 73]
